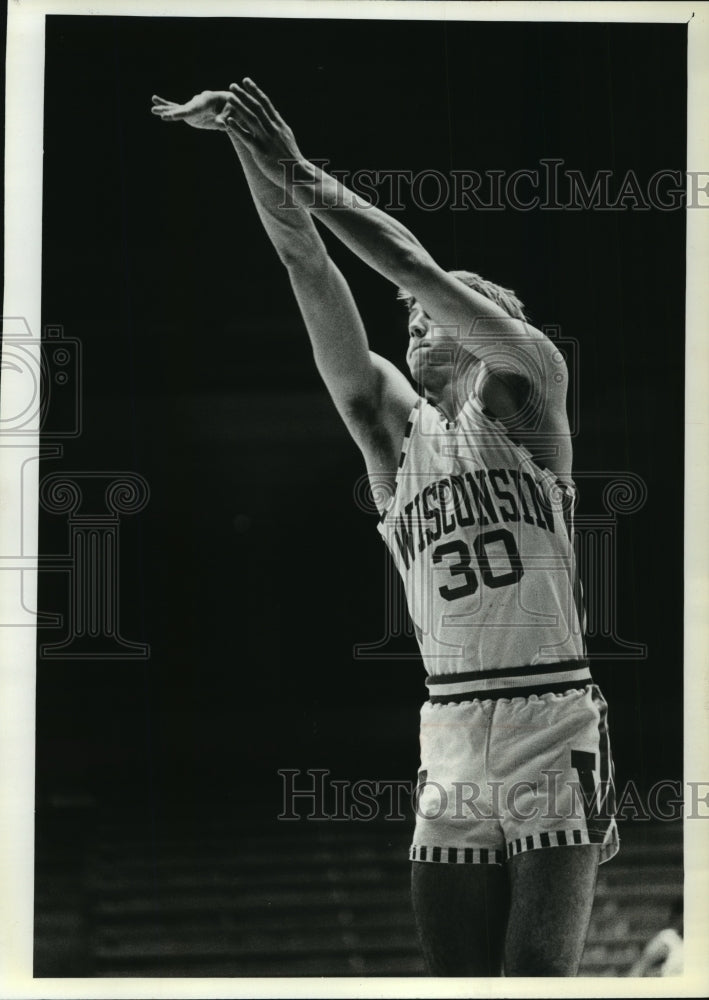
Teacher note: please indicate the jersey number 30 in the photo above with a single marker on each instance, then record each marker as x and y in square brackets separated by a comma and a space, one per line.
[464, 569]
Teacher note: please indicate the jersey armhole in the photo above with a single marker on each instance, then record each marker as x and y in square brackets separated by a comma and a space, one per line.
[408, 429]
[562, 482]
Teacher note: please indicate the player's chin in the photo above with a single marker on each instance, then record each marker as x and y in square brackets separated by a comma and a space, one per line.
[418, 371]
[431, 376]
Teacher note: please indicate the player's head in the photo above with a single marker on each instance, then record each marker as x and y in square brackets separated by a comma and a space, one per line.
[437, 363]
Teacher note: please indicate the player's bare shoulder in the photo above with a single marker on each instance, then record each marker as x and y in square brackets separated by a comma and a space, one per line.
[527, 392]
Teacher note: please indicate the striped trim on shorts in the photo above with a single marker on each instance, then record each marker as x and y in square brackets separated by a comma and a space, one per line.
[457, 855]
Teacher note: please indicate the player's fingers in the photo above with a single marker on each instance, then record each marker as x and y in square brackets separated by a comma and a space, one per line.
[240, 133]
[261, 97]
[243, 115]
[175, 113]
[156, 99]
[251, 103]
[160, 113]
[228, 109]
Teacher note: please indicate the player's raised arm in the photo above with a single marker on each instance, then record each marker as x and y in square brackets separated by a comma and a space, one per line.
[368, 392]
[381, 241]
[292, 232]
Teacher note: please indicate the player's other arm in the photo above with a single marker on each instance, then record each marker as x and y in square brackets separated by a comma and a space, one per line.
[372, 395]
[482, 325]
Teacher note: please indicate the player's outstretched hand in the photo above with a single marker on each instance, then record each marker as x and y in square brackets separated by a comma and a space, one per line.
[253, 119]
[203, 111]
[247, 114]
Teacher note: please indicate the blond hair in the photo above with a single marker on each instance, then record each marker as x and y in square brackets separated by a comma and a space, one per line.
[503, 297]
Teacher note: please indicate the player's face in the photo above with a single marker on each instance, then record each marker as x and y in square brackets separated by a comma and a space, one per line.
[432, 350]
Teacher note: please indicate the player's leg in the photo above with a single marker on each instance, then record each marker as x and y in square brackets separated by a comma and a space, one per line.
[554, 754]
[461, 912]
[551, 896]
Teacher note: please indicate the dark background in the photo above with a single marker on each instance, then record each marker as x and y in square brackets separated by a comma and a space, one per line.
[252, 572]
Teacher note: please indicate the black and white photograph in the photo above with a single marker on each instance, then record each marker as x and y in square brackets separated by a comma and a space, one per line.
[353, 446]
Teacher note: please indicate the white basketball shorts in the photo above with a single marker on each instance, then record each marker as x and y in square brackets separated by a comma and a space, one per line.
[503, 774]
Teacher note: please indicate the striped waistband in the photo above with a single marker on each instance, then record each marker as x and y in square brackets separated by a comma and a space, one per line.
[510, 682]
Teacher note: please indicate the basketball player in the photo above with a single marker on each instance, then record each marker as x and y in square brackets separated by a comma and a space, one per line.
[473, 481]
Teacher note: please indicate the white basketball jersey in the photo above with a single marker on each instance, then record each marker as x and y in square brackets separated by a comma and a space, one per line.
[482, 538]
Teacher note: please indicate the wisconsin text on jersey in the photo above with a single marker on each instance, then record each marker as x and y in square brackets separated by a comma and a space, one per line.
[448, 503]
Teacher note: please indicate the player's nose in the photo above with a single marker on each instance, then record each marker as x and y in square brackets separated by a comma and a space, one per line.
[418, 327]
